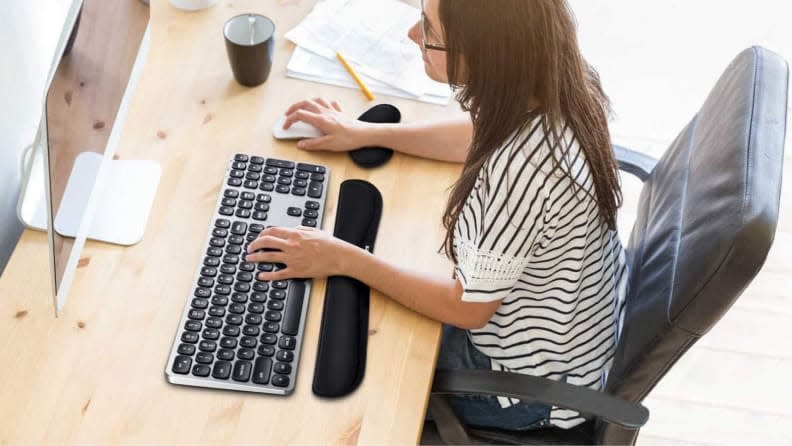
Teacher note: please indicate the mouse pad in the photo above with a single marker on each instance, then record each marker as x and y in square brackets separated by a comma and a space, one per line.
[371, 157]
[343, 336]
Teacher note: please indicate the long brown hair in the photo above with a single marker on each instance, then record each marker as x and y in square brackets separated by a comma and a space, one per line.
[511, 62]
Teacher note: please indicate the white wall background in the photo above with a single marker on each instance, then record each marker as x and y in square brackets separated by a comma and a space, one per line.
[29, 32]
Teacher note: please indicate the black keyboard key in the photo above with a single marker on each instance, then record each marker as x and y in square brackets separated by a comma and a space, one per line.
[239, 298]
[275, 305]
[219, 232]
[234, 249]
[222, 370]
[242, 371]
[201, 371]
[181, 364]
[214, 322]
[231, 259]
[271, 170]
[282, 368]
[269, 338]
[271, 327]
[286, 172]
[256, 308]
[242, 213]
[245, 353]
[239, 165]
[236, 308]
[250, 330]
[253, 176]
[219, 301]
[207, 271]
[199, 303]
[280, 380]
[214, 252]
[236, 240]
[206, 282]
[245, 204]
[202, 292]
[223, 290]
[273, 316]
[211, 334]
[264, 267]
[212, 261]
[234, 319]
[231, 193]
[228, 202]
[206, 358]
[311, 214]
[287, 343]
[280, 163]
[315, 189]
[262, 286]
[196, 315]
[190, 337]
[249, 196]
[269, 178]
[310, 168]
[248, 342]
[309, 222]
[228, 343]
[311, 205]
[266, 350]
[258, 298]
[231, 330]
[301, 175]
[239, 228]
[227, 211]
[267, 187]
[207, 346]
[294, 212]
[277, 294]
[294, 304]
[300, 183]
[298, 191]
[235, 182]
[257, 160]
[192, 326]
[254, 168]
[263, 198]
[317, 177]
[225, 355]
[217, 242]
[247, 267]
[251, 184]
[253, 319]
[261, 370]
[284, 189]
[285, 356]
[217, 311]
[263, 207]
[280, 284]
[285, 181]
[260, 216]
[227, 269]
[245, 277]
[241, 157]
[236, 174]
[186, 349]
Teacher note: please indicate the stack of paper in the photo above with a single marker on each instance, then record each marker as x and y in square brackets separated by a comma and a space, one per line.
[372, 36]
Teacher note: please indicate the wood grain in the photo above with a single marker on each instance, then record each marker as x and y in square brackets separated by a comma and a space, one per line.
[95, 375]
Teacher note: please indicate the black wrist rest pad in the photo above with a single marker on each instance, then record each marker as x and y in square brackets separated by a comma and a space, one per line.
[343, 336]
[371, 157]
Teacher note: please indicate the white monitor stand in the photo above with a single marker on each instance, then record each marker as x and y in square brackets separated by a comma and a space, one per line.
[105, 199]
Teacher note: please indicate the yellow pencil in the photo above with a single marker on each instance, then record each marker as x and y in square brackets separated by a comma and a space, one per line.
[355, 76]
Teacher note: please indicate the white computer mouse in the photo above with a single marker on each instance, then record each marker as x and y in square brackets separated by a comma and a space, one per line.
[298, 130]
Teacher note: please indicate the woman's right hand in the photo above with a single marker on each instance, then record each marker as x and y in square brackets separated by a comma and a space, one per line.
[341, 133]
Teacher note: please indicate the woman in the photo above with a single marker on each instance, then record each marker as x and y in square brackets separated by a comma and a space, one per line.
[531, 222]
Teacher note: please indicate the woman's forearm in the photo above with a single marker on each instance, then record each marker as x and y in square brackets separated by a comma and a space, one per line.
[447, 140]
[436, 297]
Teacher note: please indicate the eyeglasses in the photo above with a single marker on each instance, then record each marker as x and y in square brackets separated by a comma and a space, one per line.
[425, 31]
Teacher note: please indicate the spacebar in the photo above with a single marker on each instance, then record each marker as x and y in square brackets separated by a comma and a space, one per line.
[294, 304]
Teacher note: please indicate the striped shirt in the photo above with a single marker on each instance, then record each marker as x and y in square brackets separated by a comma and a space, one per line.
[529, 237]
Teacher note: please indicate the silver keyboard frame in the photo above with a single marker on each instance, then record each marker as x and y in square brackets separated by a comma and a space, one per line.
[276, 216]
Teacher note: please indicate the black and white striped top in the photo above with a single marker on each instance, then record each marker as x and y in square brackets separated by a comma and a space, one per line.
[529, 237]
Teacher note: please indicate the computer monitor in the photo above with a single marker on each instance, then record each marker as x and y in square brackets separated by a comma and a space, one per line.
[75, 189]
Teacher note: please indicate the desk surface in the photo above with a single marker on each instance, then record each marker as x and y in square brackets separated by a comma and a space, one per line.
[96, 374]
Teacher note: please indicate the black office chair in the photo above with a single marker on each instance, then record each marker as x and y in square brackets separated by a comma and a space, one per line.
[706, 219]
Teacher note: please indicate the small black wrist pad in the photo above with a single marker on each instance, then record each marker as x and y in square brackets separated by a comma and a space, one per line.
[343, 336]
[371, 157]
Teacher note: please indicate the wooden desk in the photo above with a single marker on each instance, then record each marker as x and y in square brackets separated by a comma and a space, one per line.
[96, 374]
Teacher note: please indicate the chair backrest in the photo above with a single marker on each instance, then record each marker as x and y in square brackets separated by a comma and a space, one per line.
[707, 217]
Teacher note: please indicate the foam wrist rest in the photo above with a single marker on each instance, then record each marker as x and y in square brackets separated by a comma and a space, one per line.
[343, 336]
[370, 157]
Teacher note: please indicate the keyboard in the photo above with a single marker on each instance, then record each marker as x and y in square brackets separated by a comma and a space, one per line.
[237, 332]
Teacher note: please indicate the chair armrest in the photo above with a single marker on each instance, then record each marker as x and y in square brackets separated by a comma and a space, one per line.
[531, 388]
[634, 162]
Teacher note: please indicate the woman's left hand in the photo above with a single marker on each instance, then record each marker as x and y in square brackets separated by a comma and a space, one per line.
[306, 252]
